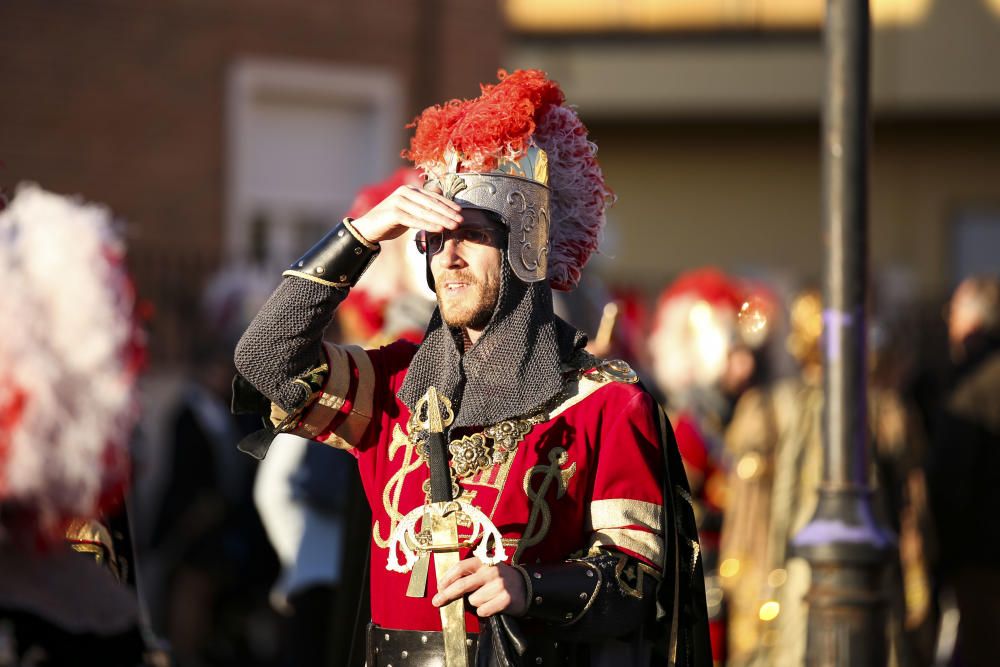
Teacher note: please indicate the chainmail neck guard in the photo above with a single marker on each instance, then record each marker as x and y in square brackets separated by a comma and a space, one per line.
[513, 369]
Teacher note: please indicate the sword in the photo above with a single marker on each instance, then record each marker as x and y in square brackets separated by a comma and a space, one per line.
[443, 515]
[438, 533]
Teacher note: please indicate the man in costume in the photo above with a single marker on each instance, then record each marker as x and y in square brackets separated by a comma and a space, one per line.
[498, 433]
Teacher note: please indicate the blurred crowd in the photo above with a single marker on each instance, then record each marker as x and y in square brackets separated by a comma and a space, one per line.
[231, 562]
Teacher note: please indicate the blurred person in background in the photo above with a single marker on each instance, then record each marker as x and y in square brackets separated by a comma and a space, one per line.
[392, 300]
[214, 562]
[614, 320]
[775, 443]
[964, 469]
[702, 364]
[302, 495]
[69, 358]
[587, 537]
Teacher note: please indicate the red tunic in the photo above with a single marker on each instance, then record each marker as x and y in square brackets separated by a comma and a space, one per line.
[588, 473]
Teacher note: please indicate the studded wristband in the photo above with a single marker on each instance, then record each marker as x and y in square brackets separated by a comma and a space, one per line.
[338, 260]
[561, 593]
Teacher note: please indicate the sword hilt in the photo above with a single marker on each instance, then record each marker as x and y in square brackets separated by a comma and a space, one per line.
[433, 411]
[437, 450]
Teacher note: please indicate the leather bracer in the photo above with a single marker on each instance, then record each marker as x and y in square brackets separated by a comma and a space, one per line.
[607, 595]
[561, 593]
[338, 260]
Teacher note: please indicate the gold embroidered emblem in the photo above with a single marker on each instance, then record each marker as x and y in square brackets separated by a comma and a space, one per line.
[394, 487]
[470, 455]
[507, 434]
[629, 576]
[540, 518]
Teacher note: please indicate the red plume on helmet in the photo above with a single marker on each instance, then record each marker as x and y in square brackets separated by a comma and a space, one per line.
[524, 109]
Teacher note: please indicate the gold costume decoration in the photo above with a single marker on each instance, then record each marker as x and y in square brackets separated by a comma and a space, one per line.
[325, 404]
[474, 456]
[394, 487]
[620, 512]
[629, 576]
[89, 536]
[613, 523]
[333, 394]
[645, 544]
[506, 435]
[470, 455]
[535, 532]
[350, 432]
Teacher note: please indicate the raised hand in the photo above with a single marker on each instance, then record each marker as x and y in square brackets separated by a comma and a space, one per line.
[409, 207]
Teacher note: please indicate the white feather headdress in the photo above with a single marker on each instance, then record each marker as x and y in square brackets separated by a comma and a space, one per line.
[70, 351]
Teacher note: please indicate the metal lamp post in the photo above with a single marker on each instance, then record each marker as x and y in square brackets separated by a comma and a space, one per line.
[843, 544]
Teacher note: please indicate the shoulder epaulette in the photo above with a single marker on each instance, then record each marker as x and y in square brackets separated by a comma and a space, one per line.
[603, 370]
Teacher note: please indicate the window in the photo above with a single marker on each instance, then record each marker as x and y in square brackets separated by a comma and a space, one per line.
[303, 139]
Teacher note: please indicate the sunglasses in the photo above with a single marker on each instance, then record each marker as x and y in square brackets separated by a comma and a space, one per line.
[431, 243]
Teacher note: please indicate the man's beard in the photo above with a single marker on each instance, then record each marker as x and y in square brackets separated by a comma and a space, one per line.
[473, 308]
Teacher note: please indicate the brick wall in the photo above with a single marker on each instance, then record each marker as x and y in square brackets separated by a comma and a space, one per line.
[124, 103]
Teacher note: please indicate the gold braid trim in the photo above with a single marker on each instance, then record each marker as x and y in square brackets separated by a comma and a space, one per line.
[648, 545]
[348, 434]
[306, 276]
[349, 224]
[611, 519]
[621, 512]
[331, 397]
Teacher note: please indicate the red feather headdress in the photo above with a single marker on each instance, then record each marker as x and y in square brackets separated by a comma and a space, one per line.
[524, 109]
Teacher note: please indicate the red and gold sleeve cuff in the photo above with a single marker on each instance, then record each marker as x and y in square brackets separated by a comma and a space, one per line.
[342, 411]
[633, 527]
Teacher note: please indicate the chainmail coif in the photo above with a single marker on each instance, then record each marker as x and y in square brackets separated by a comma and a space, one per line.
[513, 369]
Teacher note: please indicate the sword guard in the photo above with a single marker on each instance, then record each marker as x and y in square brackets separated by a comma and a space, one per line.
[413, 544]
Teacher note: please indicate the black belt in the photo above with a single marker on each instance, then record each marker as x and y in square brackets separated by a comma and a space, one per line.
[414, 648]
